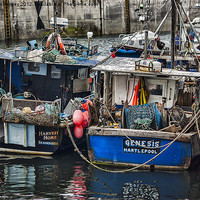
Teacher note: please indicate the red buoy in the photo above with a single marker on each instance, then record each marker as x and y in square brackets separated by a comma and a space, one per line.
[113, 54]
[78, 117]
[86, 113]
[85, 119]
[78, 131]
[85, 105]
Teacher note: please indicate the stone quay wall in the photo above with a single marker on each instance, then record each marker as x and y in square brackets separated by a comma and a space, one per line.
[31, 18]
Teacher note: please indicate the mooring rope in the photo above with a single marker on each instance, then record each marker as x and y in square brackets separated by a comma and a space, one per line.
[133, 168]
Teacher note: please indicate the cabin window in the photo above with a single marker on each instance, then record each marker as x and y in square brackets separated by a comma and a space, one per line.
[33, 67]
[124, 41]
[83, 73]
[155, 89]
[131, 43]
[55, 72]
[141, 42]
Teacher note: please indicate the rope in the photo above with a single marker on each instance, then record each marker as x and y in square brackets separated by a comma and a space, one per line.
[134, 168]
[156, 12]
[181, 18]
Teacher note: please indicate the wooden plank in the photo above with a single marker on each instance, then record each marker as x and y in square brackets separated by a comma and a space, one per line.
[139, 133]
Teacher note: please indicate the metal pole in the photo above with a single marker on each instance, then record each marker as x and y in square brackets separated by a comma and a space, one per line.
[88, 46]
[55, 18]
[10, 74]
[173, 30]
[146, 44]
[147, 13]
[162, 22]
[192, 27]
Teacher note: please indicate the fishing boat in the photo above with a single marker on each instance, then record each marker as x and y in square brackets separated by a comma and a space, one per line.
[149, 114]
[132, 45]
[41, 88]
[155, 134]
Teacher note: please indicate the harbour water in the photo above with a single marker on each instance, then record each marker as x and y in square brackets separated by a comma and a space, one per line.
[67, 176]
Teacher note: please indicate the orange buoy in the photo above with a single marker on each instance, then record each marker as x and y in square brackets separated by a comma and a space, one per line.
[49, 40]
[90, 80]
[78, 117]
[85, 119]
[78, 131]
[86, 113]
[61, 45]
[85, 105]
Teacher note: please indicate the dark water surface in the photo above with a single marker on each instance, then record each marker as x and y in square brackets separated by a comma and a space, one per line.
[69, 177]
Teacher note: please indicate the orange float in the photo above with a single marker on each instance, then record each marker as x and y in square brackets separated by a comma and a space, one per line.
[85, 105]
[85, 120]
[86, 113]
[78, 117]
[78, 131]
[60, 44]
[49, 40]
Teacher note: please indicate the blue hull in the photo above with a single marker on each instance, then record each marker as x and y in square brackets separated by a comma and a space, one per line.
[118, 150]
[127, 53]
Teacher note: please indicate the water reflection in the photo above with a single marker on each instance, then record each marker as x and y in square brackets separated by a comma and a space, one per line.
[140, 185]
[77, 187]
[18, 179]
[42, 178]
[68, 177]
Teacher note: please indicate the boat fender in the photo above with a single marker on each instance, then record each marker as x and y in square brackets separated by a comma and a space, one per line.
[86, 113]
[85, 105]
[49, 40]
[61, 45]
[124, 51]
[40, 109]
[78, 117]
[113, 54]
[78, 131]
[26, 110]
[85, 120]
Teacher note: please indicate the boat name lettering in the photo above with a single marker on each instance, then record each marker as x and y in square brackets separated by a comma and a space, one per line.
[141, 146]
[42, 133]
[52, 137]
[142, 143]
[47, 143]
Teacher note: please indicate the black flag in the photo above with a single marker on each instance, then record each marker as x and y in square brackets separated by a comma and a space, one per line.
[38, 6]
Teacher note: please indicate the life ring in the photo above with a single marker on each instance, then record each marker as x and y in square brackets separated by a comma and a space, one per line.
[61, 45]
[49, 40]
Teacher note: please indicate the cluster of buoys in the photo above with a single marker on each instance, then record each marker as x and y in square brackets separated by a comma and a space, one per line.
[81, 118]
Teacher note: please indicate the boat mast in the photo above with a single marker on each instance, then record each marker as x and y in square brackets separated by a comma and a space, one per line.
[173, 31]
[146, 28]
[55, 18]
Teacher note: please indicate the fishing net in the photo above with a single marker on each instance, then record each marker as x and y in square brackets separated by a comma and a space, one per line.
[178, 117]
[145, 117]
[35, 112]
